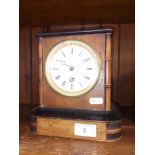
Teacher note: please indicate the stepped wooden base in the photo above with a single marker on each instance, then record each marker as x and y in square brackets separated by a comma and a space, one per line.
[79, 124]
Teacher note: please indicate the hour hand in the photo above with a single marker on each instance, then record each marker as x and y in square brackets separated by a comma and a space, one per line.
[63, 62]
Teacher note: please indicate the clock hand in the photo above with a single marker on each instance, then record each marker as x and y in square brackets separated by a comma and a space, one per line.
[86, 60]
[63, 63]
[78, 65]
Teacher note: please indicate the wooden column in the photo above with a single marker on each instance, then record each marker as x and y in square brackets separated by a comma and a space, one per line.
[108, 71]
[40, 72]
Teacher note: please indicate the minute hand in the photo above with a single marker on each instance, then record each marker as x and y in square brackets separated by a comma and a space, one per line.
[86, 60]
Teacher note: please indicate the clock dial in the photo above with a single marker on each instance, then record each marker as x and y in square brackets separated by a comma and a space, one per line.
[72, 68]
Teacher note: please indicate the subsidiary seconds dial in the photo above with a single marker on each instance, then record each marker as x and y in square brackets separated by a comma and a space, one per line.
[72, 68]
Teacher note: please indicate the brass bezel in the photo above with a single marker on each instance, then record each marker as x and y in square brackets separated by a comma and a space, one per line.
[54, 50]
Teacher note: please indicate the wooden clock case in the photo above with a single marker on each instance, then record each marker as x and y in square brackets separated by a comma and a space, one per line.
[58, 114]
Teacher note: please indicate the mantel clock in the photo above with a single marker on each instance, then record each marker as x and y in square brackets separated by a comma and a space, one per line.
[75, 86]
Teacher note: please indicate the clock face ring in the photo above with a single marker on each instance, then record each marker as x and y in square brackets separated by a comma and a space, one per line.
[72, 68]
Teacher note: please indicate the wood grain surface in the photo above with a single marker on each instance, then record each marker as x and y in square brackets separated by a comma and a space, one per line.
[50, 98]
[44, 145]
[39, 12]
[127, 65]
[34, 64]
[65, 128]
[25, 75]
[31, 144]
[108, 70]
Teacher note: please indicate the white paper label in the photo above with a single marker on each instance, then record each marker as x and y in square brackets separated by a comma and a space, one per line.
[96, 100]
[85, 130]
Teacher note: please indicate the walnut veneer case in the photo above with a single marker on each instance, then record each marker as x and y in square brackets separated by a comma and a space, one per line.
[75, 86]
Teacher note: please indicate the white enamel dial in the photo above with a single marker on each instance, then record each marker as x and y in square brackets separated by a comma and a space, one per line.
[72, 68]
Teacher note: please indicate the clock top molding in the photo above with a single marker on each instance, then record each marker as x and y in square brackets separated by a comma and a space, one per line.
[75, 32]
[69, 79]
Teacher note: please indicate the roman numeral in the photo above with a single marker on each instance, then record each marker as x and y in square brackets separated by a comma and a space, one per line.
[87, 77]
[63, 54]
[71, 85]
[72, 51]
[80, 53]
[57, 77]
[81, 84]
[63, 83]
[86, 60]
[89, 68]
